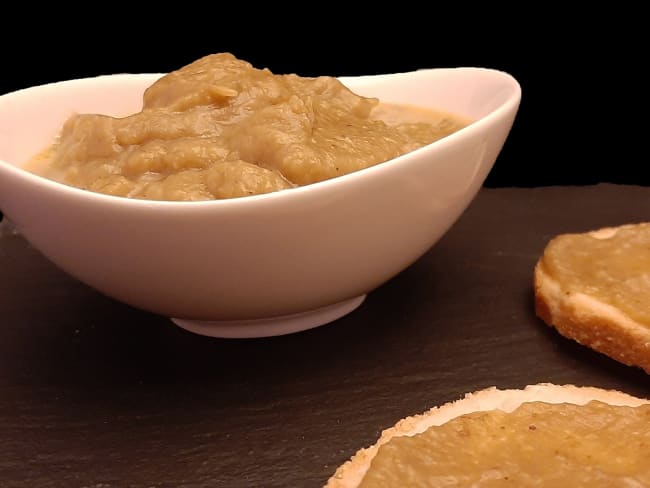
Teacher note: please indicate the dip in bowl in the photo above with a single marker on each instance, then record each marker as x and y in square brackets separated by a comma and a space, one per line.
[266, 264]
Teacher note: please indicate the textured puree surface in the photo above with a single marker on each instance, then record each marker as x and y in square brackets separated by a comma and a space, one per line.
[614, 269]
[220, 128]
[596, 444]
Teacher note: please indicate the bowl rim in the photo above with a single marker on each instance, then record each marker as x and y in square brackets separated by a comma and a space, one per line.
[509, 105]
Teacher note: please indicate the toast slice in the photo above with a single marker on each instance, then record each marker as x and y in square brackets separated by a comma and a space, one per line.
[351, 474]
[594, 288]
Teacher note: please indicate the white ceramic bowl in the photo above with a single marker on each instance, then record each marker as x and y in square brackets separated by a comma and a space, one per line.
[260, 265]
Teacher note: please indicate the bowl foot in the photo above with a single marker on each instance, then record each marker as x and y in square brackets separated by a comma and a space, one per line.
[285, 324]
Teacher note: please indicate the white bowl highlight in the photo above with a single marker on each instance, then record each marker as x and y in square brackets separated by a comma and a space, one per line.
[240, 263]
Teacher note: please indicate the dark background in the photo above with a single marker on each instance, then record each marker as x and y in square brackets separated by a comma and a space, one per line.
[95, 393]
[581, 72]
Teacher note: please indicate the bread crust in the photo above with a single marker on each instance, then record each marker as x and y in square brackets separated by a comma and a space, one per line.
[589, 321]
[350, 474]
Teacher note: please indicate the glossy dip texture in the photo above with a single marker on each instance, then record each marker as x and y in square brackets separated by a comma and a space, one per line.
[220, 128]
[611, 267]
[538, 444]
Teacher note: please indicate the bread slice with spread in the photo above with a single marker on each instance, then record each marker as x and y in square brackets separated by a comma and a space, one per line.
[541, 435]
[594, 288]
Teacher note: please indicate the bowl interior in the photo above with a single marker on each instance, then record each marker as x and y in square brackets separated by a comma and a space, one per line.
[27, 128]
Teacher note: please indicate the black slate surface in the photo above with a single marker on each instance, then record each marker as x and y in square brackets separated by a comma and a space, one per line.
[96, 394]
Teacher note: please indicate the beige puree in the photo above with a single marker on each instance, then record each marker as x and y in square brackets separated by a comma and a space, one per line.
[220, 128]
[537, 445]
[613, 270]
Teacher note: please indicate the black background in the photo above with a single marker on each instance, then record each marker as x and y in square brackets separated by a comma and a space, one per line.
[584, 94]
[96, 393]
